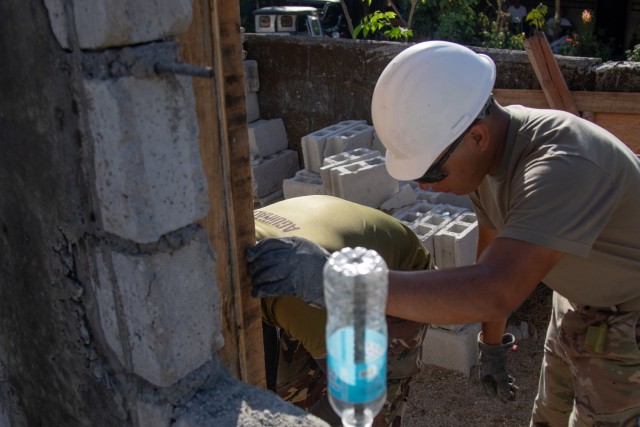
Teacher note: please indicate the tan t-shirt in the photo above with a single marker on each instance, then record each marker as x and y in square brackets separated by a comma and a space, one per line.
[567, 184]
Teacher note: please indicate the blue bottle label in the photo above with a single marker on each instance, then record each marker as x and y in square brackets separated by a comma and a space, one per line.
[356, 382]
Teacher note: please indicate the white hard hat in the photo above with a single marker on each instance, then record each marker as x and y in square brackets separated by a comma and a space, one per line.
[425, 98]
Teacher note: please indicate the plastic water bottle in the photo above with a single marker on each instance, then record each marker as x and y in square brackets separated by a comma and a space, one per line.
[355, 293]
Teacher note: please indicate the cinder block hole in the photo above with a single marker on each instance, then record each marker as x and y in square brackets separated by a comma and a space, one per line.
[422, 230]
[468, 218]
[457, 228]
[436, 220]
[409, 217]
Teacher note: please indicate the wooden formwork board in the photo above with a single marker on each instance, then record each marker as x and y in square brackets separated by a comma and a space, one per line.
[213, 40]
[618, 112]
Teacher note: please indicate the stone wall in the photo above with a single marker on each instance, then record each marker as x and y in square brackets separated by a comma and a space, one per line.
[109, 306]
[315, 82]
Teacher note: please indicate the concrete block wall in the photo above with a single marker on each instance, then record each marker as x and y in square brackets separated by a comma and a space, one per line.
[110, 314]
[272, 164]
[251, 88]
[149, 177]
[99, 24]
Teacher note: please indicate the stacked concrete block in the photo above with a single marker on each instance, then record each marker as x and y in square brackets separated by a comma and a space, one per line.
[358, 136]
[456, 244]
[98, 24]
[403, 198]
[313, 144]
[457, 350]
[267, 137]
[412, 214]
[149, 176]
[268, 173]
[366, 182]
[436, 198]
[271, 161]
[261, 202]
[377, 144]
[160, 309]
[427, 228]
[253, 107]
[304, 183]
[341, 159]
[251, 88]
[418, 219]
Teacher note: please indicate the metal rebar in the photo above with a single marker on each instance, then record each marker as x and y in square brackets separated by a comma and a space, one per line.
[184, 69]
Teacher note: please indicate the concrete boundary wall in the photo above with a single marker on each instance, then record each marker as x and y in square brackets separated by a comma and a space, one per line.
[312, 83]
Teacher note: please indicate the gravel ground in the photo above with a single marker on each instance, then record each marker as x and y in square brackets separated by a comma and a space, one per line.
[441, 397]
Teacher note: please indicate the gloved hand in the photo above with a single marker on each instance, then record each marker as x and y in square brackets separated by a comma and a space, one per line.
[498, 385]
[288, 266]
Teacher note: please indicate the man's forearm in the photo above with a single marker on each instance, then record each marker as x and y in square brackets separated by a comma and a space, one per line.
[458, 296]
[492, 332]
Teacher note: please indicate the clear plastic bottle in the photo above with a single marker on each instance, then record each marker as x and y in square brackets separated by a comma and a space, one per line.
[355, 293]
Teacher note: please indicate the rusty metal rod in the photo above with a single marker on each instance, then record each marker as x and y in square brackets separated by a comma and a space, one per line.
[184, 69]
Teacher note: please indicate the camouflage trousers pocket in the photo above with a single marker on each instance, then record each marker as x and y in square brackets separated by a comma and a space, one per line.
[628, 418]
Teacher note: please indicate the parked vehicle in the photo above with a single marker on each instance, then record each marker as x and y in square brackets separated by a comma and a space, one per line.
[288, 20]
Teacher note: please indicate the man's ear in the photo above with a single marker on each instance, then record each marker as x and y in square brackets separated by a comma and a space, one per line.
[480, 135]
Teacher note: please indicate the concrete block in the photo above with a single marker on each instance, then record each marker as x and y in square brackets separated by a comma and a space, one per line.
[520, 332]
[313, 144]
[231, 402]
[261, 202]
[160, 312]
[426, 228]
[366, 182]
[149, 175]
[457, 351]
[358, 136]
[108, 23]
[436, 198]
[153, 414]
[267, 137]
[413, 213]
[448, 211]
[405, 197]
[251, 76]
[341, 159]
[270, 172]
[253, 107]
[304, 183]
[456, 244]
[377, 145]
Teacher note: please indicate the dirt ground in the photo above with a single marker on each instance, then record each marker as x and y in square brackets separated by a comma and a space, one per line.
[442, 398]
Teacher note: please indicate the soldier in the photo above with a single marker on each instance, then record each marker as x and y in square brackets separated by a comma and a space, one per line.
[556, 198]
[335, 223]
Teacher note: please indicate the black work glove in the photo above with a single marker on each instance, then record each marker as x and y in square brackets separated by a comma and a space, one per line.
[288, 266]
[498, 385]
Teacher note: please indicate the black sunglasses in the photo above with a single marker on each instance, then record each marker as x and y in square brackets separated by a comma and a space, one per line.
[435, 173]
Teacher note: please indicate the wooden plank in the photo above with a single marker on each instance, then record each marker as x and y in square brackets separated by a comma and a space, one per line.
[603, 102]
[214, 40]
[625, 126]
[548, 72]
[608, 102]
[238, 199]
[619, 113]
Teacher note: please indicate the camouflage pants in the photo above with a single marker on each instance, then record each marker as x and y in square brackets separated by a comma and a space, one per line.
[580, 386]
[301, 382]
